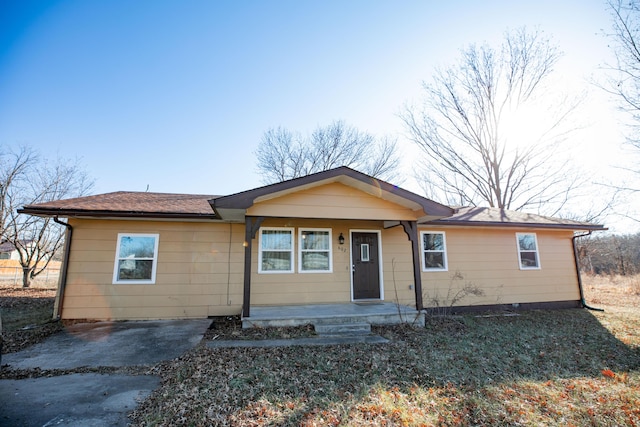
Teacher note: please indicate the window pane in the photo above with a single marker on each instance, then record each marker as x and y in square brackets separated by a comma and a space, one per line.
[137, 247]
[315, 261]
[130, 269]
[364, 252]
[434, 260]
[315, 240]
[276, 239]
[528, 259]
[433, 242]
[527, 242]
[276, 261]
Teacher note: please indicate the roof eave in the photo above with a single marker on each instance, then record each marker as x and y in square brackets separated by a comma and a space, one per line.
[72, 213]
[588, 227]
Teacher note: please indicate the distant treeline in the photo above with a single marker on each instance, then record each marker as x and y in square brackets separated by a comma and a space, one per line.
[612, 254]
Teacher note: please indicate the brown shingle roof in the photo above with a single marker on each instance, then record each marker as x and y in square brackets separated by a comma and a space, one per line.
[125, 203]
[499, 217]
[169, 205]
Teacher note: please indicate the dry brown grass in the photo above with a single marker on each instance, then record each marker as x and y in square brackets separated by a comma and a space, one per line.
[617, 292]
[563, 367]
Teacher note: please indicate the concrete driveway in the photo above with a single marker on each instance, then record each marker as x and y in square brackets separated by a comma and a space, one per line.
[92, 399]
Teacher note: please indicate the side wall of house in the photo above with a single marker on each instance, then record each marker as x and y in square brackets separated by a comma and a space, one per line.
[487, 258]
[199, 271]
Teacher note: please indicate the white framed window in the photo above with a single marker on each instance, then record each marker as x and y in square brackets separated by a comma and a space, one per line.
[315, 250]
[275, 253]
[528, 256]
[136, 258]
[434, 251]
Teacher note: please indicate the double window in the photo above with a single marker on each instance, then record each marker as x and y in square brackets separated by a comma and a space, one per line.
[434, 251]
[136, 258]
[277, 249]
[528, 251]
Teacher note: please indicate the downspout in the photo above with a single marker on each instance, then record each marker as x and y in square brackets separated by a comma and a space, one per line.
[575, 258]
[65, 267]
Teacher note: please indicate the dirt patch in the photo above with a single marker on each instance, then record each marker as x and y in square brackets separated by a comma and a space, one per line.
[14, 296]
[230, 328]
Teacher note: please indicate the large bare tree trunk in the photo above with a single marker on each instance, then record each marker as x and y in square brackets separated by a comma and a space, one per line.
[27, 276]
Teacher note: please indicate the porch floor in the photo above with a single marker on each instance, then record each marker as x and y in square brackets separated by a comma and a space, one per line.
[373, 313]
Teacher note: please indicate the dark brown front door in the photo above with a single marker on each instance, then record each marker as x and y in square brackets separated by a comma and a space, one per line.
[365, 265]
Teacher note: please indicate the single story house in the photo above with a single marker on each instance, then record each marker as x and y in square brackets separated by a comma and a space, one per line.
[334, 237]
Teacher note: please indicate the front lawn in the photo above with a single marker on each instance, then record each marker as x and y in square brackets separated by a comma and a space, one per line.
[565, 367]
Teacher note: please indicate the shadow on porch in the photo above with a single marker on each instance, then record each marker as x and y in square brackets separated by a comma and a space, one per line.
[370, 313]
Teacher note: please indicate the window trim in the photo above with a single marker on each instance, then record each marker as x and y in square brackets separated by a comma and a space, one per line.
[300, 250]
[444, 251]
[292, 250]
[537, 251]
[154, 265]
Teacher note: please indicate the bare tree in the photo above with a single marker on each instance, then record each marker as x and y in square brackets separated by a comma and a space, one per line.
[624, 81]
[12, 168]
[492, 131]
[284, 155]
[610, 254]
[27, 179]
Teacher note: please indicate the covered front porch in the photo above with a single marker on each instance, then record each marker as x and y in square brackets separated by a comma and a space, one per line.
[361, 313]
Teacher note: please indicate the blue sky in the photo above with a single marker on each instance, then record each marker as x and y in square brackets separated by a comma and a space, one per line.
[175, 95]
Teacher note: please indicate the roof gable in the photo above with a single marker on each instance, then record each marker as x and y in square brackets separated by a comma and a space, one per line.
[334, 200]
[234, 207]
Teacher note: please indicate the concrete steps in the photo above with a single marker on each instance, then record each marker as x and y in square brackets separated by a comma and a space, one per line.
[331, 314]
[373, 319]
[342, 328]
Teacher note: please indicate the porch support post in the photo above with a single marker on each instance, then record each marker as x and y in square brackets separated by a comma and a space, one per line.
[411, 229]
[251, 226]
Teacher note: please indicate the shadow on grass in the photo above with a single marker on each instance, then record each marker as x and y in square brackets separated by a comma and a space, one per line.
[286, 386]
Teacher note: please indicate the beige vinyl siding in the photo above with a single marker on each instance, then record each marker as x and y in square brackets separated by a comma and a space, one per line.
[333, 200]
[398, 267]
[304, 288]
[488, 258]
[196, 276]
[335, 287]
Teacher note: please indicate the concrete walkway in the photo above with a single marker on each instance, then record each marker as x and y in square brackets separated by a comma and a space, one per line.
[92, 399]
[73, 400]
[111, 344]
